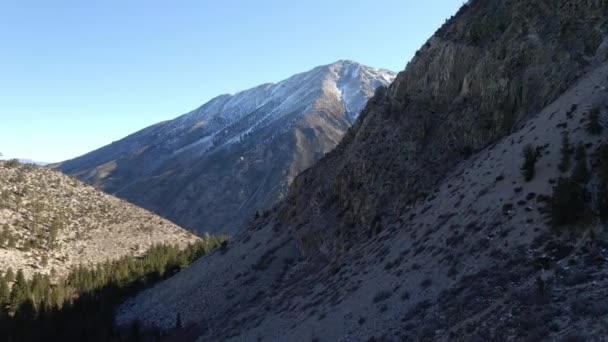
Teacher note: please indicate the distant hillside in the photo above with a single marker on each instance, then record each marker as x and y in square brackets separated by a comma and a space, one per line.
[30, 161]
[51, 221]
[212, 169]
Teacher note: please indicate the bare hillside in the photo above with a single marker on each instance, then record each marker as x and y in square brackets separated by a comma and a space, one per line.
[52, 221]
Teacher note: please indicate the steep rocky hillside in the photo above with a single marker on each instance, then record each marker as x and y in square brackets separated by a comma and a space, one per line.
[52, 221]
[215, 167]
[421, 225]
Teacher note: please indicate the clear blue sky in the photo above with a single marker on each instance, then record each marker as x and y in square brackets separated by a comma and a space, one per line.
[76, 75]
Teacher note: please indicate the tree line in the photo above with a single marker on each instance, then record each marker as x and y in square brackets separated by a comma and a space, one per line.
[80, 306]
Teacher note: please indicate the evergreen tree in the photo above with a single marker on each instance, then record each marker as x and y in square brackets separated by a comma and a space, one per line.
[26, 311]
[38, 288]
[4, 236]
[603, 158]
[530, 158]
[568, 203]
[10, 275]
[566, 150]
[56, 226]
[178, 321]
[581, 173]
[12, 241]
[20, 292]
[44, 260]
[540, 285]
[57, 296]
[603, 187]
[23, 317]
[594, 126]
[4, 292]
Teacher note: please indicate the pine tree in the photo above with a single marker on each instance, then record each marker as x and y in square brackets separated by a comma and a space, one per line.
[53, 232]
[568, 203]
[530, 158]
[581, 173]
[4, 236]
[44, 260]
[178, 322]
[594, 126]
[23, 317]
[4, 292]
[603, 177]
[12, 241]
[10, 275]
[603, 158]
[566, 150]
[57, 296]
[540, 285]
[38, 288]
[20, 292]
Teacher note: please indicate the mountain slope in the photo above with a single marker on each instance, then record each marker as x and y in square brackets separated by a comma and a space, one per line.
[51, 221]
[213, 168]
[420, 225]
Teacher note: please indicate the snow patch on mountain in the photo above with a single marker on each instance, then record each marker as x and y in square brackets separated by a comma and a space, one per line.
[350, 82]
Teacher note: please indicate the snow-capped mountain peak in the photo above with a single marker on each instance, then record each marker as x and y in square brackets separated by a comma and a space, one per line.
[351, 82]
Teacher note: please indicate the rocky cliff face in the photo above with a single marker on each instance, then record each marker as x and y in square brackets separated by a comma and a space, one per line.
[477, 80]
[213, 168]
[51, 221]
[420, 225]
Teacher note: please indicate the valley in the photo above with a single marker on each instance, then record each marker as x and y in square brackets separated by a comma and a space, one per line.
[463, 199]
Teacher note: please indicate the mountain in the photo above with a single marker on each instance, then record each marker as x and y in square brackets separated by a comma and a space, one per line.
[215, 167]
[51, 221]
[465, 203]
